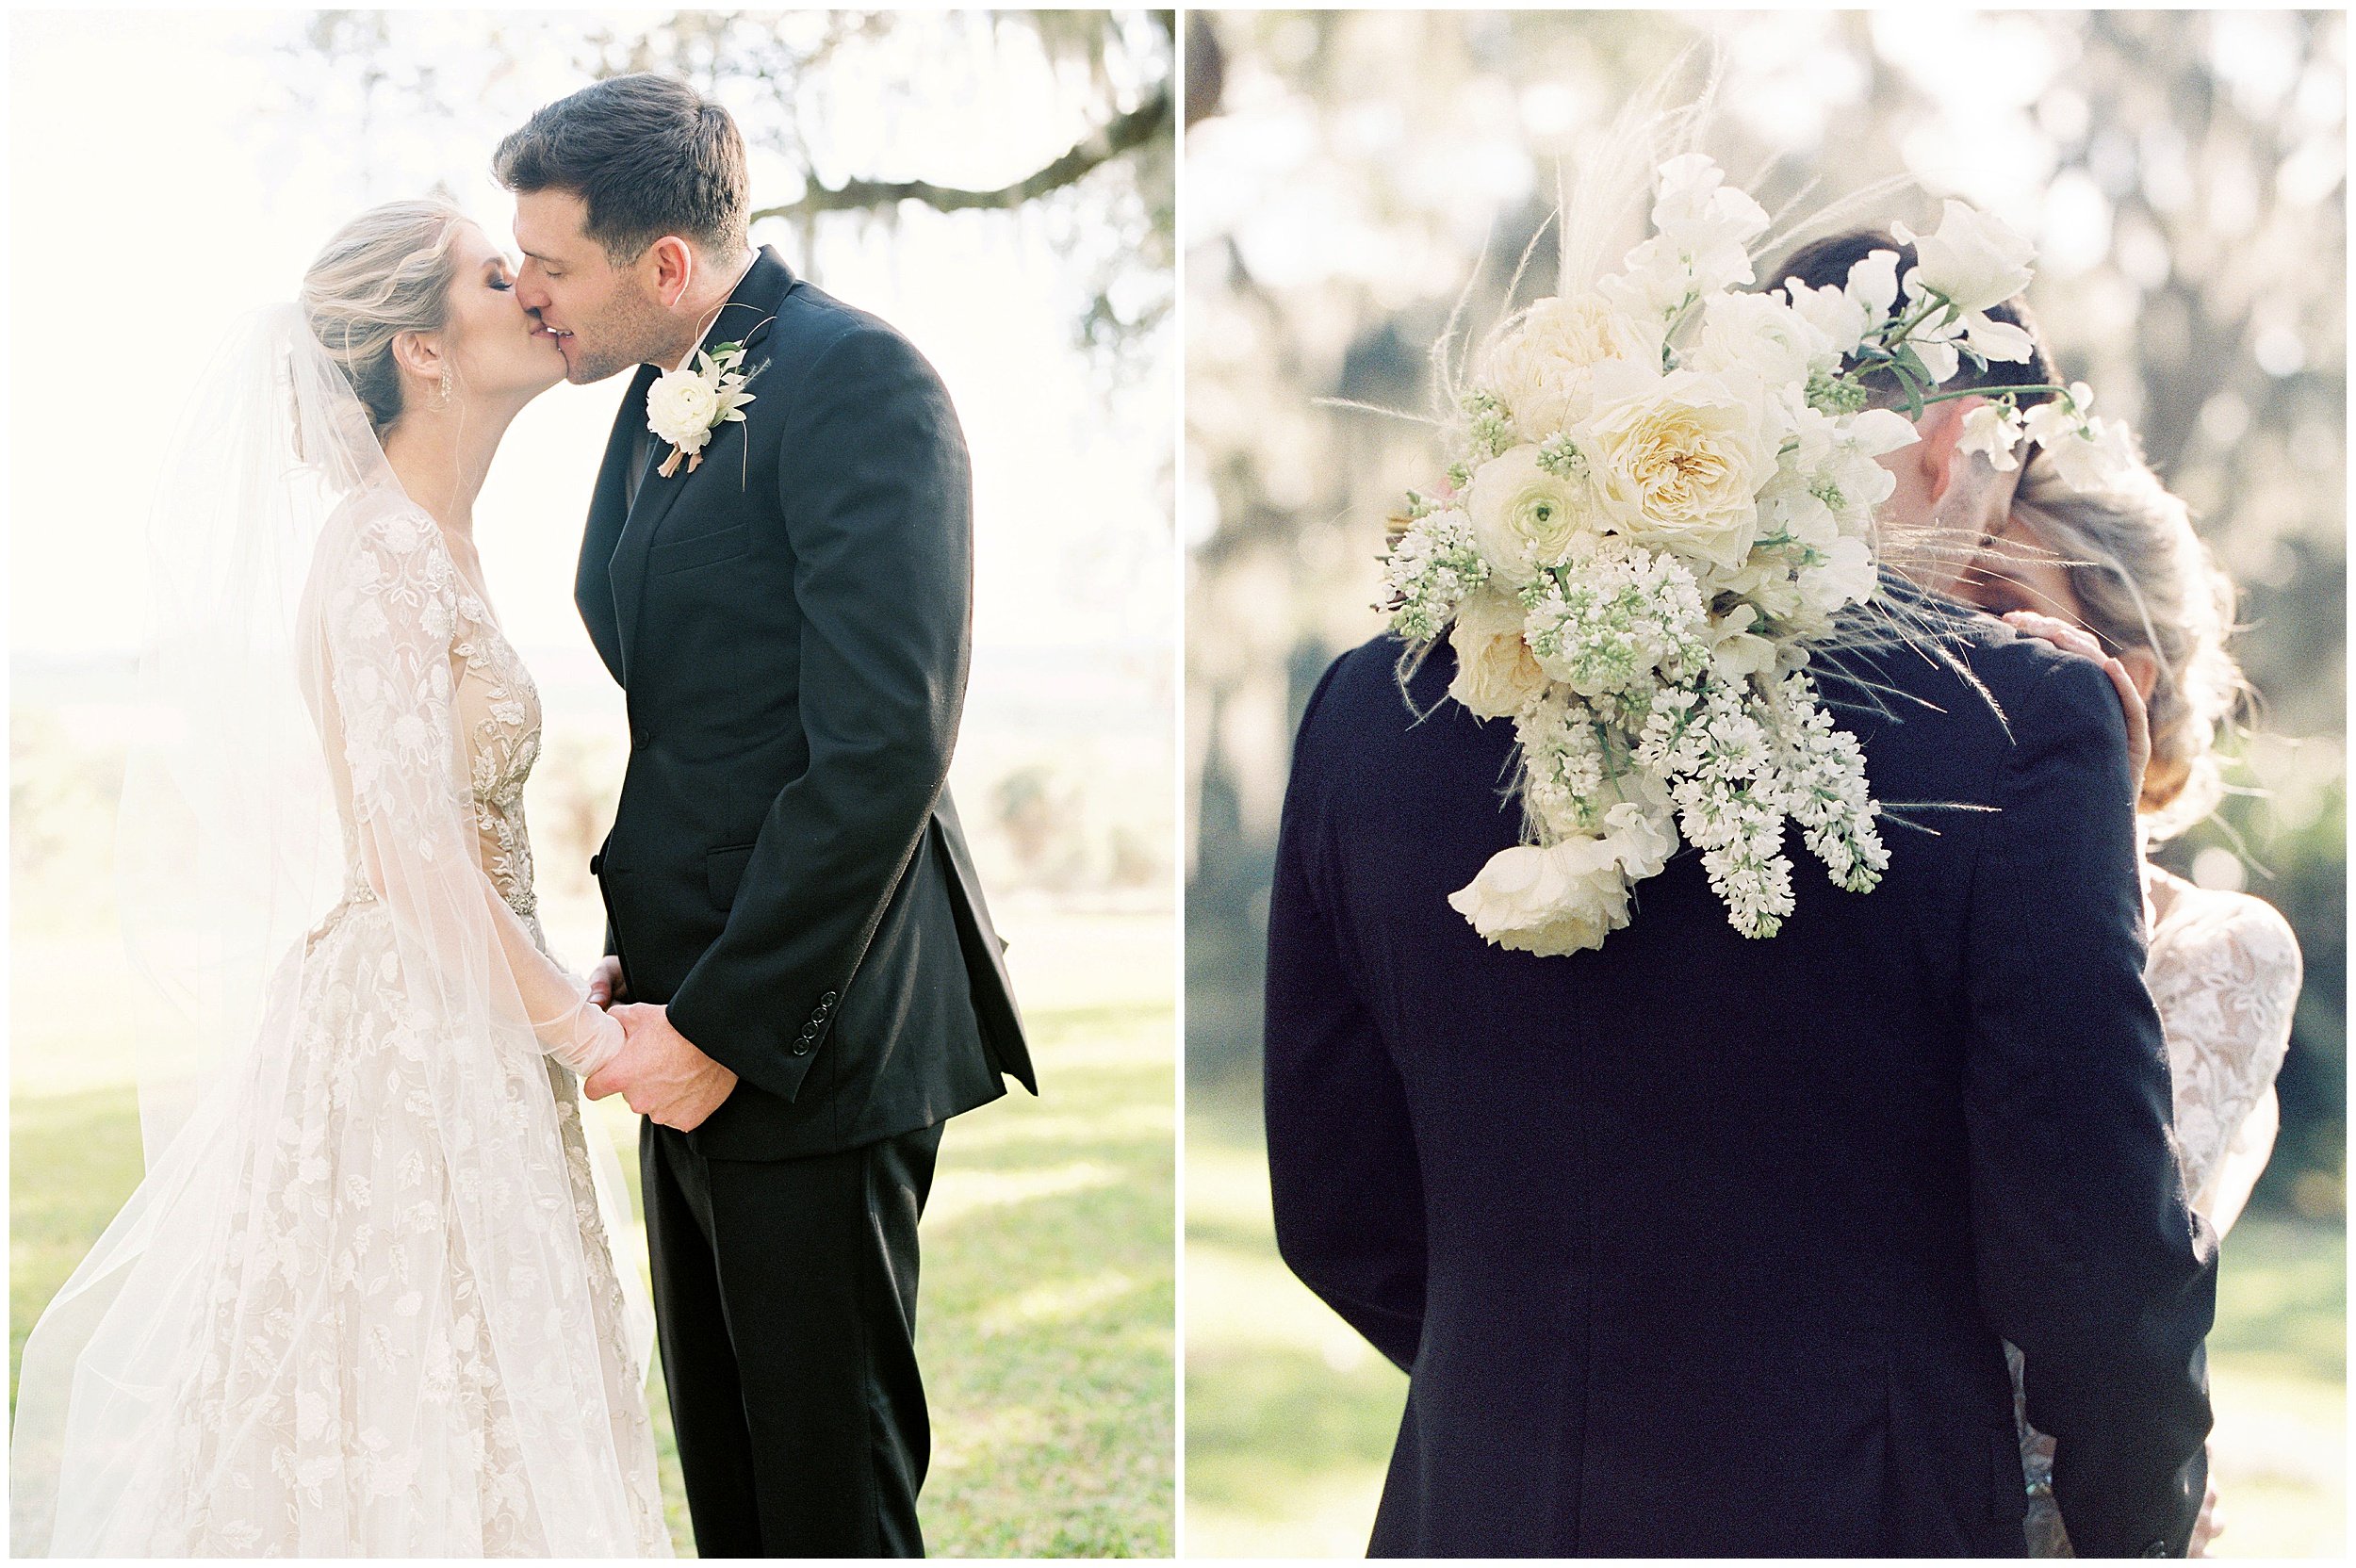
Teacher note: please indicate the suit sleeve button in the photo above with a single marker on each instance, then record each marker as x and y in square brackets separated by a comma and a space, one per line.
[801, 1047]
[597, 864]
[827, 1000]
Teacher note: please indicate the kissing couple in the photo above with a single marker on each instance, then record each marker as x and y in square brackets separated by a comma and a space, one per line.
[365, 1301]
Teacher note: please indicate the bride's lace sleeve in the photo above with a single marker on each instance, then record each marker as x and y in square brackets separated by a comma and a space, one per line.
[388, 603]
[2225, 983]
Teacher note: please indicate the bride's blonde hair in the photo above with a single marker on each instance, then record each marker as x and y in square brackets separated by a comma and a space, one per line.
[387, 271]
[2145, 579]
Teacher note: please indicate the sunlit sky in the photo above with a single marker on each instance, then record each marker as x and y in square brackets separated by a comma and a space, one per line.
[156, 197]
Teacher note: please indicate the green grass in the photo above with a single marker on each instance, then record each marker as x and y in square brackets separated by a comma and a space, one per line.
[1290, 1416]
[1044, 1324]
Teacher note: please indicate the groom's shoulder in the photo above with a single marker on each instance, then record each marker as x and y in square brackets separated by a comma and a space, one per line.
[1946, 678]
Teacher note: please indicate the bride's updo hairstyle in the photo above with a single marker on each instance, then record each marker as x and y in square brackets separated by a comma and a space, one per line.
[2145, 579]
[387, 271]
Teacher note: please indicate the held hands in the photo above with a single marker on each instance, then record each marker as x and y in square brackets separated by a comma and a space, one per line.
[605, 982]
[2070, 639]
[658, 1071]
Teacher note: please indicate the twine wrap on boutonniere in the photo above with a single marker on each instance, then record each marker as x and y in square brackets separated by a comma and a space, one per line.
[684, 406]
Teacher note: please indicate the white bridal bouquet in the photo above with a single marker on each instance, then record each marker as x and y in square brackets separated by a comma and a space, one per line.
[1666, 495]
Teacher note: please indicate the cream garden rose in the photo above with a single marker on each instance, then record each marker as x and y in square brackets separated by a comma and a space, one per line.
[1497, 675]
[1681, 467]
[1543, 369]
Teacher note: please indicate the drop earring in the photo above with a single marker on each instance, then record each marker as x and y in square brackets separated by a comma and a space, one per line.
[445, 397]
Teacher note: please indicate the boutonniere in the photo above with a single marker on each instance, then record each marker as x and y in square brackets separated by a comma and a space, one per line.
[684, 406]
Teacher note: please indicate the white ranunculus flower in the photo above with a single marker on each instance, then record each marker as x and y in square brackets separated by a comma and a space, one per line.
[1758, 338]
[1975, 259]
[1681, 467]
[1543, 369]
[1497, 675]
[1522, 516]
[681, 407]
[1566, 897]
[1994, 429]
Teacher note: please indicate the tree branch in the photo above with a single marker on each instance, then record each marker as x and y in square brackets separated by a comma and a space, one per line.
[1121, 134]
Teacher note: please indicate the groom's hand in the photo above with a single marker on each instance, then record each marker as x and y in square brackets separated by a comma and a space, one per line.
[659, 1072]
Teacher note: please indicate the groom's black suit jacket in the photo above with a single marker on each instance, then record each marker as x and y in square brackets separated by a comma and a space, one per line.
[1697, 1244]
[791, 623]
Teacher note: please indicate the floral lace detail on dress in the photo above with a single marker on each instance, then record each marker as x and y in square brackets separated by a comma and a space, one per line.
[379, 1308]
[2224, 972]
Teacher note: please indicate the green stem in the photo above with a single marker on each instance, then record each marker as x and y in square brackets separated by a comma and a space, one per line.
[2000, 392]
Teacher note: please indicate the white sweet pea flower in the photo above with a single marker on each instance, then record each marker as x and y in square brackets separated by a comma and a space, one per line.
[1872, 286]
[1837, 316]
[1975, 259]
[2094, 456]
[1994, 429]
[1845, 576]
[1998, 340]
[1697, 210]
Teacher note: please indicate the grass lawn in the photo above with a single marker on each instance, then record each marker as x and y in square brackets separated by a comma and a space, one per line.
[1044, 1327]
[1290, 1415]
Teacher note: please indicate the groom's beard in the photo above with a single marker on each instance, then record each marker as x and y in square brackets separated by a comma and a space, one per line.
[631, 331]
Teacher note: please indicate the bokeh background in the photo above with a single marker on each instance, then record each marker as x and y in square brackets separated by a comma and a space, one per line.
[2183, 174]
[1000, 187]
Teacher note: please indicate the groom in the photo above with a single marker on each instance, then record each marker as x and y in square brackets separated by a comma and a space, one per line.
[1702, 1246]
[798, 947]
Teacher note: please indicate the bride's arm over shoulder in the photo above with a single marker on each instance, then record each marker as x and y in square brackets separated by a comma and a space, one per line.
[387, 604]
[2241, 970]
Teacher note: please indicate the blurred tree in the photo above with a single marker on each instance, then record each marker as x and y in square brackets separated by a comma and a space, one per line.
[1108, 192]
[1352, 174]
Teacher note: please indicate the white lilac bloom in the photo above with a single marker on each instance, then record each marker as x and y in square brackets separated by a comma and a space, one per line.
[1429, 571]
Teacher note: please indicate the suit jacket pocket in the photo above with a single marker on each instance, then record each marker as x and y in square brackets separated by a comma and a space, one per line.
[704, 550]
[724, 869]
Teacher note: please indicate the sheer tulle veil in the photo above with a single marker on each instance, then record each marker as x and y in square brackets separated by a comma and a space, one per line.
[232, 849]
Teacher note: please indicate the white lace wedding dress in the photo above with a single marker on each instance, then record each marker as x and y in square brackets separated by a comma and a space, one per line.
[365, 1302]
[2224, 972]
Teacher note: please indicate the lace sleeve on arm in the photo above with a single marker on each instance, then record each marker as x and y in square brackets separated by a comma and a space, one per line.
[2226, 986]
[388, 613]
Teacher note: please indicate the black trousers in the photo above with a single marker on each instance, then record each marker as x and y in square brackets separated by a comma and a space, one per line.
[785, 1294]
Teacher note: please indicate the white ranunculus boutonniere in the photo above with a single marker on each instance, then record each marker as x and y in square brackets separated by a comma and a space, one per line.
[684, 406]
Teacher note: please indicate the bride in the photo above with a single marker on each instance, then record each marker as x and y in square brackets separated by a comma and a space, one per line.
[365, 1302]
[2122, 579]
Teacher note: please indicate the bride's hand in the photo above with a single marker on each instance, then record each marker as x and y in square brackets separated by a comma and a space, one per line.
[2070, 639]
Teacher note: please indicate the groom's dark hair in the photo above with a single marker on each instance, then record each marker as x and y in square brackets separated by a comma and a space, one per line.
[646, 155]
[1826, 263]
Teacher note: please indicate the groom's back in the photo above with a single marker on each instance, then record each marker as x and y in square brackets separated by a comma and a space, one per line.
[1695, 1210]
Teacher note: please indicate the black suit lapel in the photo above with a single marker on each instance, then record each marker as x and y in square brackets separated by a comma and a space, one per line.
[609, 511]
[747, 316]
